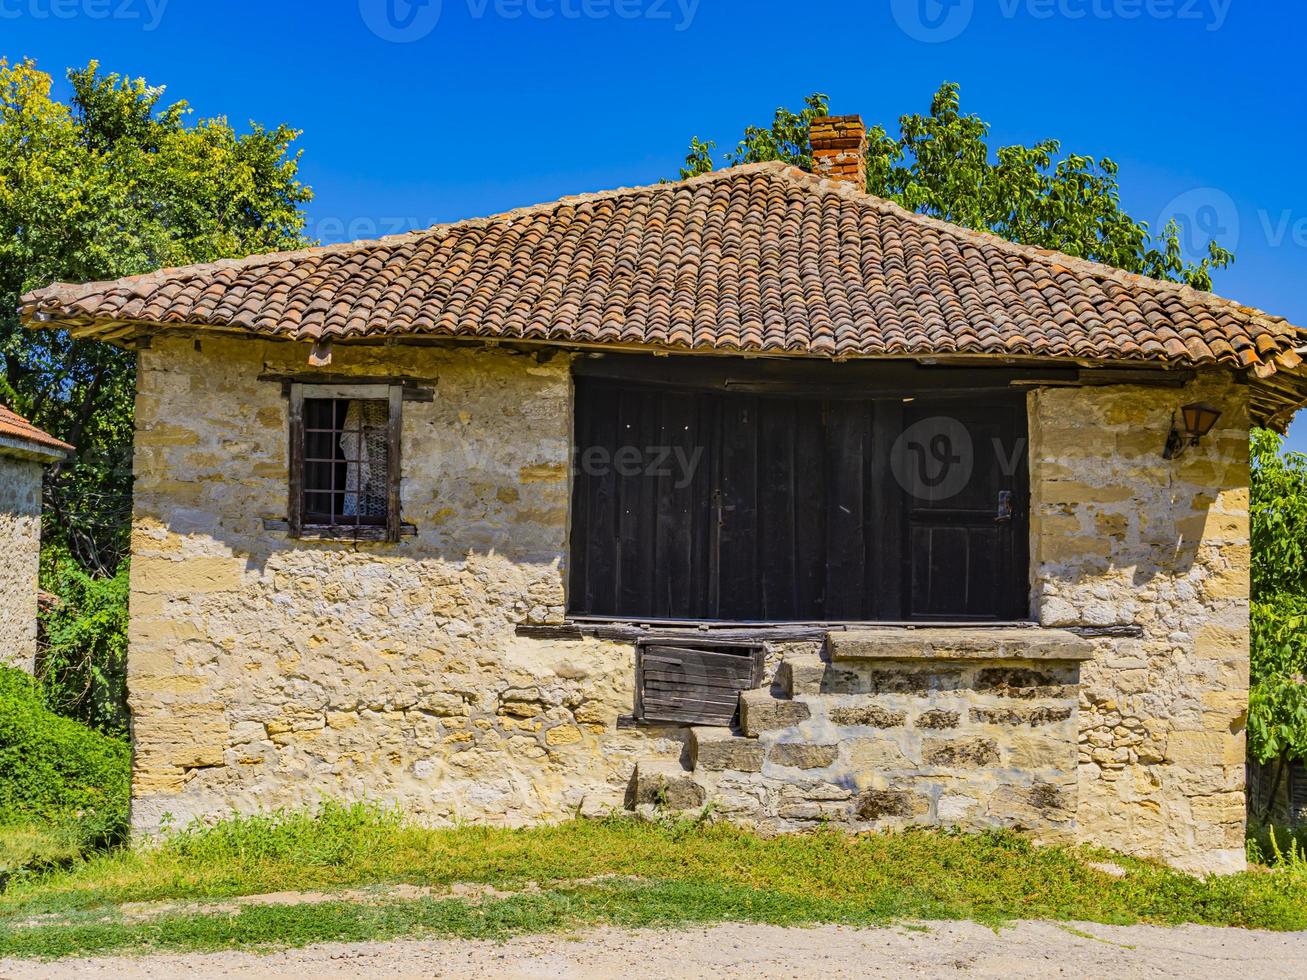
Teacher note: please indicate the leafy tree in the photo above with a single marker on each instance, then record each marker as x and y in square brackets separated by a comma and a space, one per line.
[115, 183]
[1277, 710]
[941, 165]
[84, 658]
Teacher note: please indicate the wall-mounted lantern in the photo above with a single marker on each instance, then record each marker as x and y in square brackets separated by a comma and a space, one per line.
[1198, 420]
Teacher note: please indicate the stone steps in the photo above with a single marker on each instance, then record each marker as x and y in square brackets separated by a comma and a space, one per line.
[720, 749]
[947, 730]
[664, 785]
[761, 711]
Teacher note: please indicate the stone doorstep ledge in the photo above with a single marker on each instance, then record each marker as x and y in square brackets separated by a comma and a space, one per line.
[997, 643]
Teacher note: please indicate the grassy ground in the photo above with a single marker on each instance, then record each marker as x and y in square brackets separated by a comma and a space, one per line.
[579, 874]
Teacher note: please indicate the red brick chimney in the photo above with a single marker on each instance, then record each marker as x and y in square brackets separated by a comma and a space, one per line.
[839, 148]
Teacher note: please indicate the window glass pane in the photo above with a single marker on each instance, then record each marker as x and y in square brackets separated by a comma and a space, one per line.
[321, 445]
[318, 508]
[319, 413]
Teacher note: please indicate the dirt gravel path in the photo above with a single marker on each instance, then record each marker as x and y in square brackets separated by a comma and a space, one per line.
[964, 949]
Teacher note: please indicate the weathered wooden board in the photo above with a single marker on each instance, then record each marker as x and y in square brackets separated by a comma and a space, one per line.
[696, 686]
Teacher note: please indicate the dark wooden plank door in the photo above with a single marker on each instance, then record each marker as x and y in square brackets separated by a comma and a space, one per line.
[963, 467]
[720, 505]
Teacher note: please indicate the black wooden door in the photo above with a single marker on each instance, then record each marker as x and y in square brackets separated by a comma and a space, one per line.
[963, 466]
[712, 505]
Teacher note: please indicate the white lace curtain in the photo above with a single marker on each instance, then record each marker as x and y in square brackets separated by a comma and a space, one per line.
[365, 446]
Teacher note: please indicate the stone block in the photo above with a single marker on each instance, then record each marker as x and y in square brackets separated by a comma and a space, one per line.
[1033, 806]
[190, 576]
[813, 811]
[809, 791]
[875, 804]
[444, 704]
[1027, 751]
[1027, 682]
[802, 755]
[799, 674]
[981, 643]
[1222, 643]
[664, 785]
[1200, 749]
[760, 712]
[563, 735]
[953, 808]
[866, 716]
[870, 754]
[938, 718]
[961, 752]
[718, 749]
[1018, 716]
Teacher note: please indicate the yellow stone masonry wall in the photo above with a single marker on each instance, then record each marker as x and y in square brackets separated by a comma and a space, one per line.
[20, 544]
[266, 672]
[1122, 537]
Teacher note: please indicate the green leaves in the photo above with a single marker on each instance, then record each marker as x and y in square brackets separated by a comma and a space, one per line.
[114, 184]
[785, 140]
[1277, 708]
[942, 165]
[84, 660]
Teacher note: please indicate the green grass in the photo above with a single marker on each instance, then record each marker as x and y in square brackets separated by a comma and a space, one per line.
[619, 872]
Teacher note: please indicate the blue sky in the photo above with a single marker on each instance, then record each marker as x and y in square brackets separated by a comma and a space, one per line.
[414, 114]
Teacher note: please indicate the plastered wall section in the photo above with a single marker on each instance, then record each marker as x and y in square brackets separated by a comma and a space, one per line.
[1124, 538]
[20, 547]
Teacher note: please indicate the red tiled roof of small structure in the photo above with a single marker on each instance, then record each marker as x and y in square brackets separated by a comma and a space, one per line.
[14, 426]
[762, 258]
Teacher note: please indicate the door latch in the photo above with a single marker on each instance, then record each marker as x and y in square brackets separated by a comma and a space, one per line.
[1004, 513]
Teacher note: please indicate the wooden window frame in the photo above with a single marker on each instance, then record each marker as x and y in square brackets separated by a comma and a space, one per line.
[393, 395]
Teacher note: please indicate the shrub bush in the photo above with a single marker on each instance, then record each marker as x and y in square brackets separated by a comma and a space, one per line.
[56, 770]
[82, 666]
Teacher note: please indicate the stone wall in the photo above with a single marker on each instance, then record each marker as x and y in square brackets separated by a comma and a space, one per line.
[888, 728]
[20, 544]
[1122, 537]
[266, 672]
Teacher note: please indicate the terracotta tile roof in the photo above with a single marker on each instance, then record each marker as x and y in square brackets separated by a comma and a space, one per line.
[14, 427]
[761, 258]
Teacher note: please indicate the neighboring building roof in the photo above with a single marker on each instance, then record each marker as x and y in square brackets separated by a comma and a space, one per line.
[20, 437]
[762, 258]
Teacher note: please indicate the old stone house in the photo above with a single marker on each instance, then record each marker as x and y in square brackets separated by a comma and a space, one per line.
[24, 453]
[751, 488]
